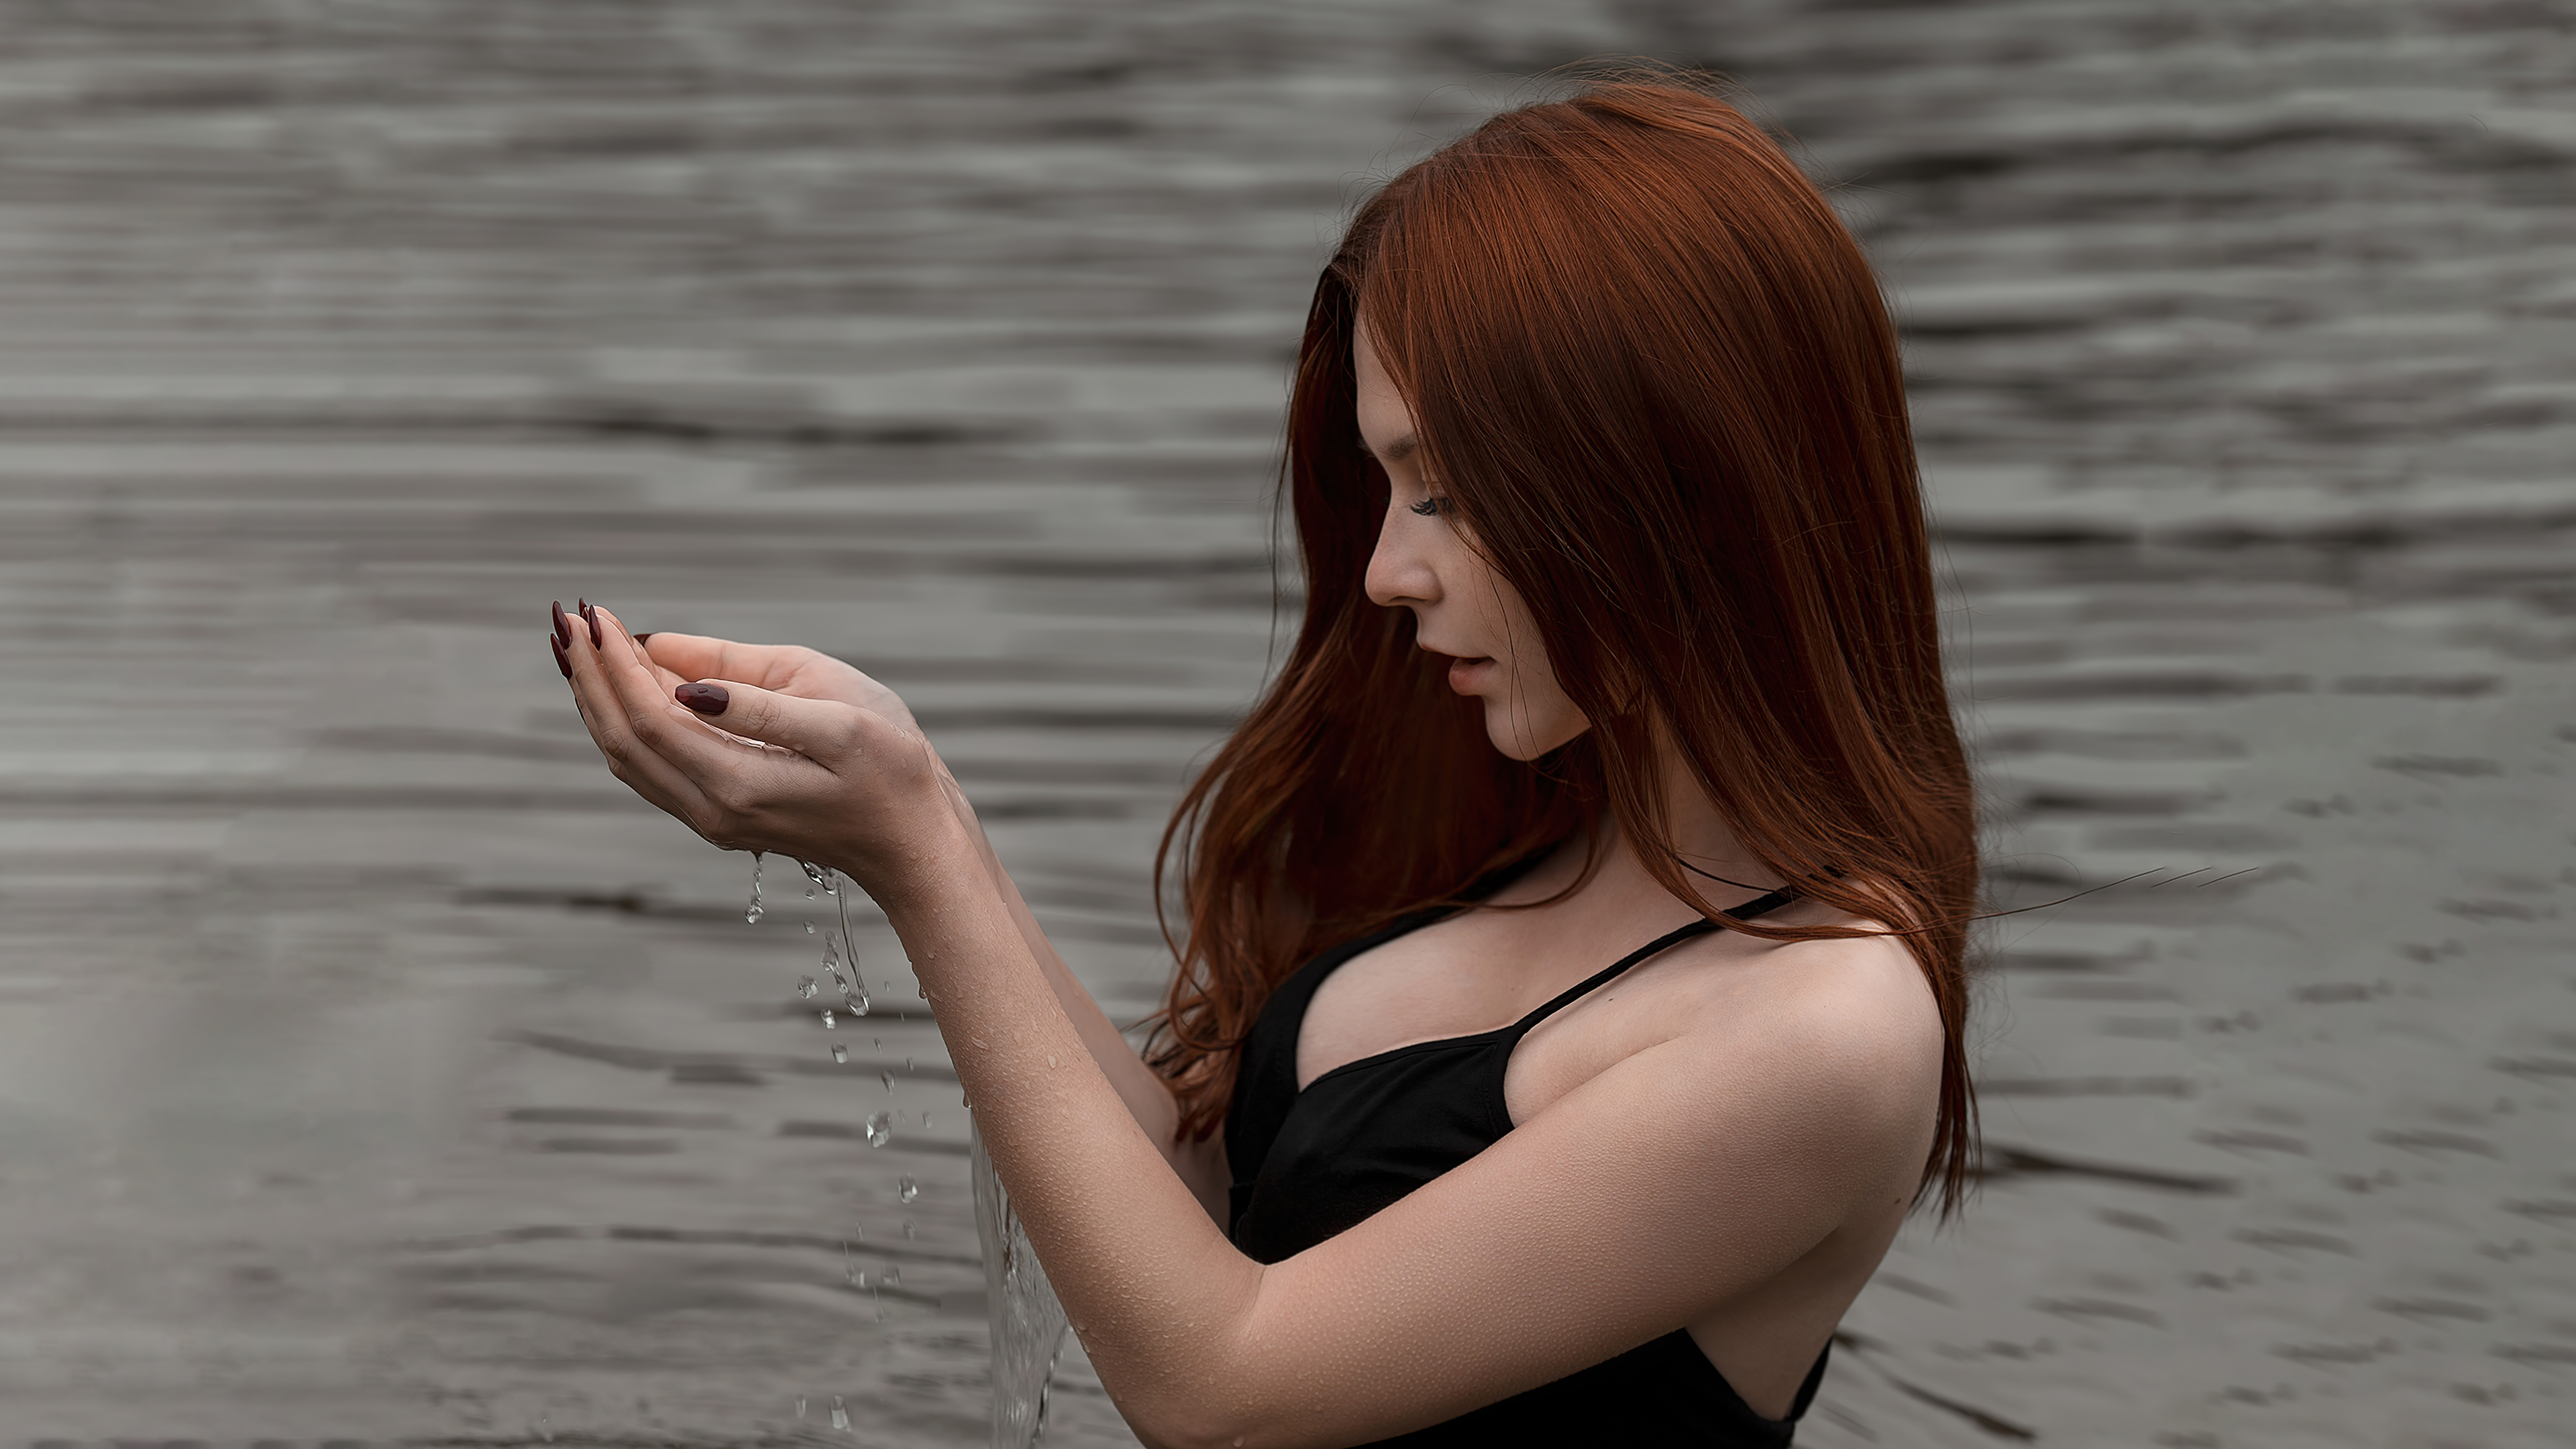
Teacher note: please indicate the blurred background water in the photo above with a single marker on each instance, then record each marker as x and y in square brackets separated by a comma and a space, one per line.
[373, 1068]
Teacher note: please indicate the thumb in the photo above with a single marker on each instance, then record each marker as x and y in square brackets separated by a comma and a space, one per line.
[822, 730]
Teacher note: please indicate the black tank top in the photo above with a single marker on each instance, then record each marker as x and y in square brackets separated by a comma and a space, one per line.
[1309, 1164]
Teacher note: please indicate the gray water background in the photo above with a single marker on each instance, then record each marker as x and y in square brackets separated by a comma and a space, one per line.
[373, 1068]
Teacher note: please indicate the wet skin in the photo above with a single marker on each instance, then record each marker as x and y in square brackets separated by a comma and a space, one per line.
[1725, 1139]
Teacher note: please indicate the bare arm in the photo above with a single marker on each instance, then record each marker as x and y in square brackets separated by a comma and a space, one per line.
[1201, 1165]
[1656, 1192]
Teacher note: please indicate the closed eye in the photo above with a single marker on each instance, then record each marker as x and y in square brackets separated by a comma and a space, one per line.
[1430, 507]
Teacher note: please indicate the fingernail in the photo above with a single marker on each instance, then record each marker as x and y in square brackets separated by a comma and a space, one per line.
[704, 698]
[561, 662]
[563, 626]
[589, 618]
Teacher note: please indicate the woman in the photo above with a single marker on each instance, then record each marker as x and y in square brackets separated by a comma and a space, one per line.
[1610, 801]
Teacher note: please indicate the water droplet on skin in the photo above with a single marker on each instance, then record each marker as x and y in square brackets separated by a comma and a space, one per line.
[880, 1128]
[840, 1415]
[813, 872]
[827, 1019]
[806, 988]
[906, 1190]
[840, 1053]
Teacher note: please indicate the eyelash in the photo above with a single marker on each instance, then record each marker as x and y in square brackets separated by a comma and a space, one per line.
[1429, 507]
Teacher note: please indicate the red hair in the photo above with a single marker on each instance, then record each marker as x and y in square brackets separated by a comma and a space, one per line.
[1655, 376]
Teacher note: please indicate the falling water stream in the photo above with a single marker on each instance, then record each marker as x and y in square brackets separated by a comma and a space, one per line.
[1027, 1322]
[1020, 1305]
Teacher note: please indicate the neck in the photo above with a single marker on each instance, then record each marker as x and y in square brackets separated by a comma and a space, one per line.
[1717, 869]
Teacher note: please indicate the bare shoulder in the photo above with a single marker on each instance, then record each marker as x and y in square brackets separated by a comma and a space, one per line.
[1866, 992]
[1847, 1025]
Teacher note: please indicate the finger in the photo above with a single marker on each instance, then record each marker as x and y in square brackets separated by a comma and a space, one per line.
[662, 674]
[695, 656]
[609, 684]
[690, 656]
[708, 754]
[569, 631]
[830, 733]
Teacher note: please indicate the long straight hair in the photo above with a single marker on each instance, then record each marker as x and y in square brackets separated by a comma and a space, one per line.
[1655, 377]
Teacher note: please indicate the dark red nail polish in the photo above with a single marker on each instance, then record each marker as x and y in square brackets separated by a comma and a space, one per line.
[643, 639]
[590, 618]
[704, 698]
[563, 626]
[561, 662]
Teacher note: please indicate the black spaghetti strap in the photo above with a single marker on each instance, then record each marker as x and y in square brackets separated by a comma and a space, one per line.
[1665, 942]
[1760, 905]
[1602, 978]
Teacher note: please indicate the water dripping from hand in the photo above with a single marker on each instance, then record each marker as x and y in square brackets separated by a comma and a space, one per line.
[1027, 1323]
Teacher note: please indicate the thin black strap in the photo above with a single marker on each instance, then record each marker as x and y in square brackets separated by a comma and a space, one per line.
[1665, 942]
[1761, 904]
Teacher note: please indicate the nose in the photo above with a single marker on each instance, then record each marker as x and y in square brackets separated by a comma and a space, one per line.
[1399, 570]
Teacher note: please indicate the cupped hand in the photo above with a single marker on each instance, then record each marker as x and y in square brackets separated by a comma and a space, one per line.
[812, 770]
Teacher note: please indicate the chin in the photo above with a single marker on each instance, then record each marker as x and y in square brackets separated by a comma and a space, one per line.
[1525, 739]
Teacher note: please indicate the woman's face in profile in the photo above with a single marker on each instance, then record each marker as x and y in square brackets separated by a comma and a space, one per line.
[1461, 607]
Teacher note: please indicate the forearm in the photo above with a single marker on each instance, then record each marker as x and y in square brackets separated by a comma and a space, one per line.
[1153, 1288]
[1147, 1097]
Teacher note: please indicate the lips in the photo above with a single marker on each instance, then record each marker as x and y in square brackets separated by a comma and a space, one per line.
[1465, 674]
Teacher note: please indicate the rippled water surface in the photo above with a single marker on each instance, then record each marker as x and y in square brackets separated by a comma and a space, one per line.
[374, 1068]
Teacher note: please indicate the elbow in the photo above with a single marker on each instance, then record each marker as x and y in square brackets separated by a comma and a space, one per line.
[1170, 1423]
[1204, 1407]
[1206, 1382]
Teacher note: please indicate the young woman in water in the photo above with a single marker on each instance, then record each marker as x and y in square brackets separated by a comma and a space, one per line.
[1570, 1006]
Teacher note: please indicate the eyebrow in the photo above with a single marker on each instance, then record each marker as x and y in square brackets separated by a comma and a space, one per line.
[1396, 452]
